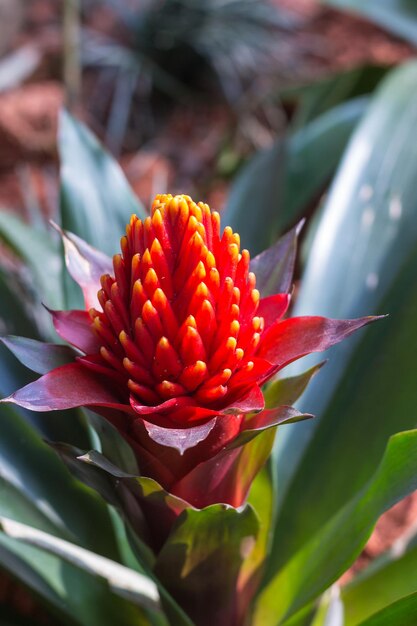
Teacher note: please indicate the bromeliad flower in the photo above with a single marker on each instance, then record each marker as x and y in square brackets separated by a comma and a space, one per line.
[174, 346]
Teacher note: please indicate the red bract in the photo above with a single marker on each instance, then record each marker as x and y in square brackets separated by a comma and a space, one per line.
[178, 322]
[176, 348]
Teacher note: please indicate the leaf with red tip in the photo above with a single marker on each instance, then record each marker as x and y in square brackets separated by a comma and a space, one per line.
[288, 390]
[86, 265]
[75, 327]
[252, 400]
[226, 477]
[200, 562]
[273, 308]
[150, 510]
[298, 336]
[38, 356]
[181, 439]
[274, 267]
[268, 419]
[67, 387]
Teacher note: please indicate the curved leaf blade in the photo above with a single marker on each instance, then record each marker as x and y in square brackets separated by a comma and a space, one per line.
[335, 546]
[96, 200]
[273, 189]
[122, 581]
[386, 580]
[38, 356]
[403, 612]
[368, 233]
[201, 560]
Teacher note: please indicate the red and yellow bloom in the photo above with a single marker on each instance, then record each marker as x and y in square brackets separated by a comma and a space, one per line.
[175, 344]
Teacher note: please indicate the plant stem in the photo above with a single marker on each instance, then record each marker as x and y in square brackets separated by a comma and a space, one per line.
[72, 64]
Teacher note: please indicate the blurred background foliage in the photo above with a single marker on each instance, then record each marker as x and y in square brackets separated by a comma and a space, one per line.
[270, 111]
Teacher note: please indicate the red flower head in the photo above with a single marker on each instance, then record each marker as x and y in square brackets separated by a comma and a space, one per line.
[179, 323]
[177, 346]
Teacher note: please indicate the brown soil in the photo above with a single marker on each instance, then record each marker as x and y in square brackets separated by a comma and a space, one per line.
[28, 123]
[330, 41]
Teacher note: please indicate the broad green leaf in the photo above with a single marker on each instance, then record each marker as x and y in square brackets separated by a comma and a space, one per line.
[14, 319]
[39, 251]
[113, 446]
[314, 153]
[38, 356]
[315, 98]
[388, 579]
[261, 498]
[397, 16]
[122, 581]
[255, 199]
[273, 189]
[96, 200]
[148, 509]
[129, 495]
[32, 569]
[36, 489]
[71, 594]
[403, 612]
[43, 494]
[362, 260]
[330, 551]
[201, 560]
[288, 390]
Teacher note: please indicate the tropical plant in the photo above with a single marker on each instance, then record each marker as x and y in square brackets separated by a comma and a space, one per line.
[314, 504]
[182, 49]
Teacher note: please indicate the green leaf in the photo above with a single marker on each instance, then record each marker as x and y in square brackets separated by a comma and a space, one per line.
[389, 578]
[200, 562]
[338, 542]
[122, 581]
[306, 173]
[39, 250]
[128, 494]
[113, 446]
[43, 494]
[363, 260]
[397, 16]
[261, 498]
[274, 267]
[288, 390]
[96, 200]
[38, 356]
[314, 99]
[15, 319]
[71, 594]
[255, 198]
[274, 188]
[403, 612]
[36, 489]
